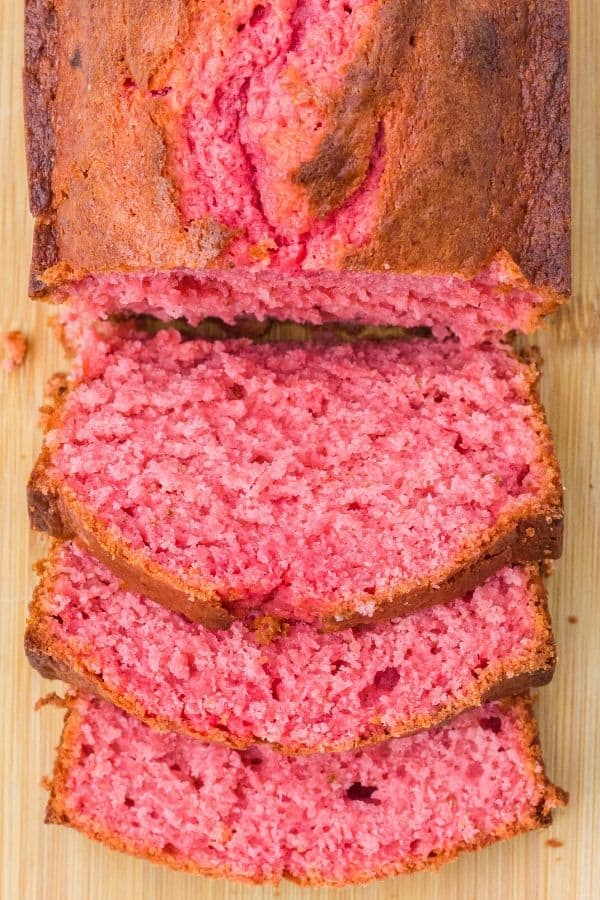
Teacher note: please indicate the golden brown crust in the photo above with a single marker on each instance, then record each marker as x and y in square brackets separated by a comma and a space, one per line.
[54, 660]
[505, 85]
[54, 510]
[548, 798]
[501, 81]
[546, 231]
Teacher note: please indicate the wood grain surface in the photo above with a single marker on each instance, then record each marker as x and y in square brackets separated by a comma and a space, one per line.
[48, 863]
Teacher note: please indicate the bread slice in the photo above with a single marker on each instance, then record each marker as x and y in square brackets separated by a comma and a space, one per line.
[296, 689]
[331, 485]
[324, 819]
[389, 162]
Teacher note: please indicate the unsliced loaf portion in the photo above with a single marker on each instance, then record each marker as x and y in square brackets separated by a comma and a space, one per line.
[330, 818]
[299, 690]
[331, 485]
[382, 161]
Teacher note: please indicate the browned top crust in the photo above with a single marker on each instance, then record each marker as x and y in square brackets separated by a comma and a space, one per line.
[472, 94]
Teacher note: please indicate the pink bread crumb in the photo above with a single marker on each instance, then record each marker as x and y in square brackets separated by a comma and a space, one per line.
[302, 690]
[293, 479]
[331, 818]
[476, 307]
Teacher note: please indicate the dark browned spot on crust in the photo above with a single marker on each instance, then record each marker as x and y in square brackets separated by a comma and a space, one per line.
[343, 159]
[544, 817]
[480, 48]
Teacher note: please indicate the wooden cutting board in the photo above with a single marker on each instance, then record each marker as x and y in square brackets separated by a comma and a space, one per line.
[49, 863]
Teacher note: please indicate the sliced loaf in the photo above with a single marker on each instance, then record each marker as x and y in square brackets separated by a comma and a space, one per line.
[332, 818]
[296, 689]
[331, 485]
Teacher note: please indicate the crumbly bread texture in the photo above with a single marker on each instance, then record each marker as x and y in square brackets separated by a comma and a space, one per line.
[296, 689]
[258, 816]
[384, 161]
[331, 485]
[14, 346]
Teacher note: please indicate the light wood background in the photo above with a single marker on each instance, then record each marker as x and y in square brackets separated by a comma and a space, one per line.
[48, 863]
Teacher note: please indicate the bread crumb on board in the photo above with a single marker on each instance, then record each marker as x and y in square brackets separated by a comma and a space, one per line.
[14, 345]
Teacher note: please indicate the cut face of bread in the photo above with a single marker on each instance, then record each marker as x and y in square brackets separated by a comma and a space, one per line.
[399, 162]
[329, 818]
[331, 485]
[295, 688]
